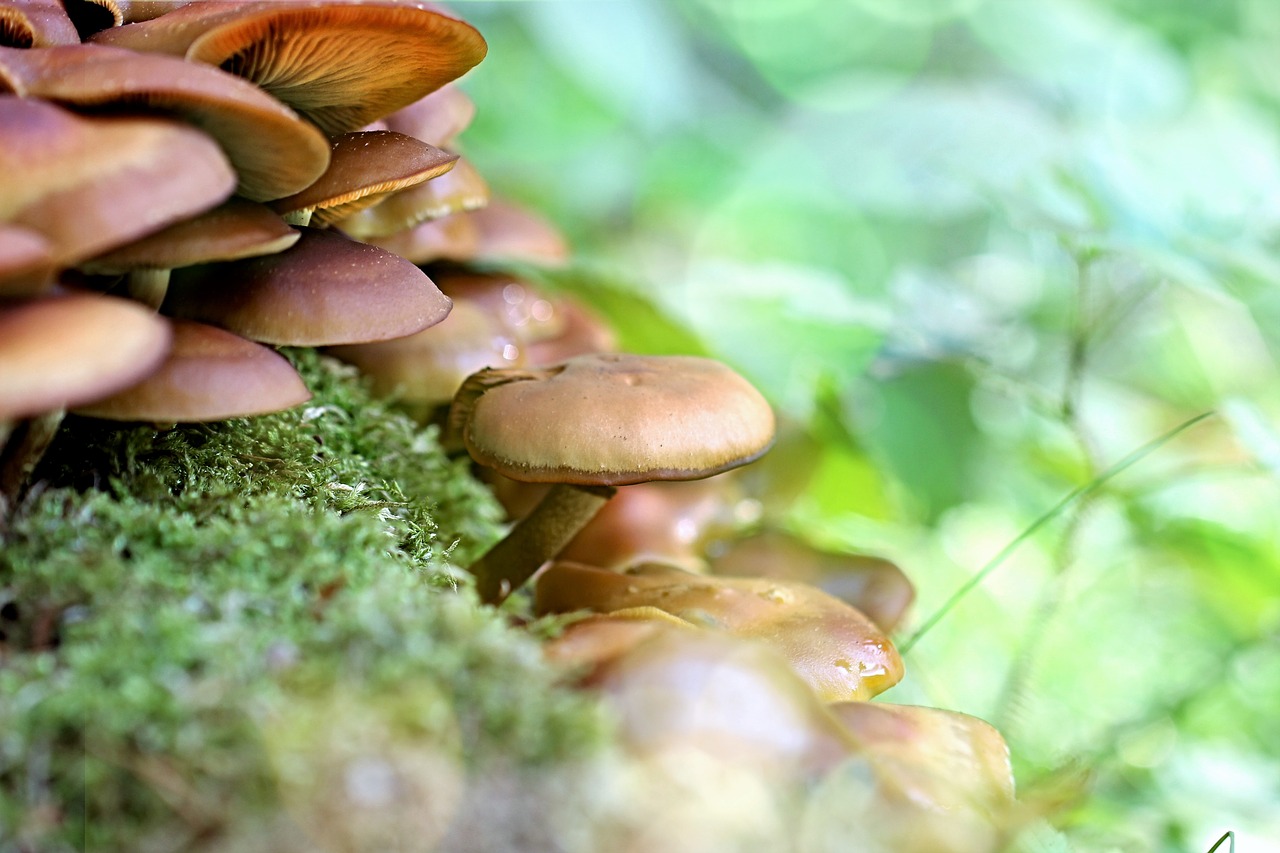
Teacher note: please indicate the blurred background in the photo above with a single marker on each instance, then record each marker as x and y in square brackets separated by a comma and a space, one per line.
[977, 252]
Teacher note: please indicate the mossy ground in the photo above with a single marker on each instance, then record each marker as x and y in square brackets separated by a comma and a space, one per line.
[204, 626]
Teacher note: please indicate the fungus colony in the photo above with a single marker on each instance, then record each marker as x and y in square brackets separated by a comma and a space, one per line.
[200, 183]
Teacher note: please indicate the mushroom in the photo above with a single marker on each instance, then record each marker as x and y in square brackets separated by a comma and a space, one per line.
[438, 118]
[67, 350]
[458, 190]
[26, 262]
[273, 150]
[364, 167]
[679, 689]
[235, 230]
[35, 23]
[424, 370]
[61, 351]
[208, 375]
[91, 184]
[875, 586]
[594, 423]
[837, 650]
[323, 290]
[340, 64]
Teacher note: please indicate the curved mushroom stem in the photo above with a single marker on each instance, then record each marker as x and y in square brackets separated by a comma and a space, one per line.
[22, 454]
[299, 217]
[537, 538]
[148, 286]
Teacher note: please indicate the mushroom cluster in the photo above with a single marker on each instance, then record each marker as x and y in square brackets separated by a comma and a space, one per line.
[201, 183]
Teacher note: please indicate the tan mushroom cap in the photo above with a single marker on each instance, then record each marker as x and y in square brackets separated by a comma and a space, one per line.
[64, 351]
[209, 375]
[274, 151]
[425, 370]
[875, 586]
[35, 23]
[26, 262]
[838, 651]
[365, 167]
[613, 419]
[509, 233]
[236, 229]
[458, 190]
[89, 185]
[340, 64]
[324, 290]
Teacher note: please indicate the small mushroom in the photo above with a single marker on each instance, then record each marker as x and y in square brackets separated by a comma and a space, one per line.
[91, 184]
[677, 689]
[875, 586]
[364, 167]
[26, 262]
[424, 370]
[232, 231]
[837, 650]
[68, 350]
[273, 150]
[208, 375]
[340, 64]
[458, 190]
[593, 423]
[35, 23]
[322, 291]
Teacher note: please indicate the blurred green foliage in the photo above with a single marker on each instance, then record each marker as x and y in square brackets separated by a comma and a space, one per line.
[979, 250]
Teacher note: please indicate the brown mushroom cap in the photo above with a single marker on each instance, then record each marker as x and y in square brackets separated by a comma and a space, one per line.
[35, 23]
[64, 351]
[459, 190]
[840, 652]
[234, 230]
[324, 290]
[365, 167]
[340, 64]
[274, 151]
[26, 262]
[424, 370]
[613, 419]
[89, 185]
[875, 586]
[209, 375]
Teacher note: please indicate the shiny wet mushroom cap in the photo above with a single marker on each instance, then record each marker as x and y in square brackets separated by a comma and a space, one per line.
[324, 290]
[91, 184]
[836, 649]
[208, 375]
[64, 351]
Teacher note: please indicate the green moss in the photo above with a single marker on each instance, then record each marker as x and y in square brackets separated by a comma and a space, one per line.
[183, 611]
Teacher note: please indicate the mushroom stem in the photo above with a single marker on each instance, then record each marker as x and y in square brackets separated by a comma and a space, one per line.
[299, 217]
[537, 538]
[148, 286]
[22, 453]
